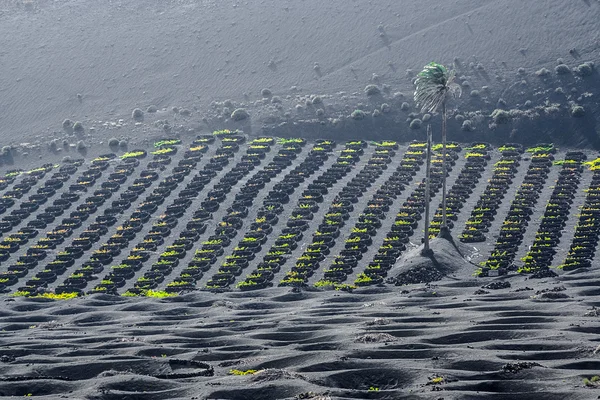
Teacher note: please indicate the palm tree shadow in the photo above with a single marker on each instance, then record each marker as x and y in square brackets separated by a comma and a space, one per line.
[446, 262]
[431, 256]
[450, 239]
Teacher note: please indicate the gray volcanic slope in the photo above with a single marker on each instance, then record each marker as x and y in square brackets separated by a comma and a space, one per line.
[512, 337]
[118, 55]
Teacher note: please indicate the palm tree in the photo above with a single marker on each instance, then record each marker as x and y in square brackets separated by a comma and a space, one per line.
[426, 250]
[432, 87]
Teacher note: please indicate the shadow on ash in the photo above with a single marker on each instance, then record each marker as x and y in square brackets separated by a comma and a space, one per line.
[446, 257]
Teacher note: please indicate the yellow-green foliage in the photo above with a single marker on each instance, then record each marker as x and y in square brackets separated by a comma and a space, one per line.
[473, 155]
[594, 381]
[21, 293]
[132, 154]
[166, 150]
[167, 142]
[288, 141]
[159, 294]
[150, 293]
[324, 283]
[52, 296]
[241, 373]
[436, 380]
[563, 162]
[594, 164]
[224, 132]
[363, 278]
[440, 146]
[541, 149]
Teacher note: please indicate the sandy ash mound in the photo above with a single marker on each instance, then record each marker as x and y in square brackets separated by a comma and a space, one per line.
[434, 342]
[446, 257]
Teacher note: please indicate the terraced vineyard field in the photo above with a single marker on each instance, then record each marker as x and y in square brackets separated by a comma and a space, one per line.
[283, 260]
[225, 212]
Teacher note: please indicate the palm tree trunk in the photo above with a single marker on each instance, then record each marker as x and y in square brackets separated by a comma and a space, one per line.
[426, 250]
[444, 231]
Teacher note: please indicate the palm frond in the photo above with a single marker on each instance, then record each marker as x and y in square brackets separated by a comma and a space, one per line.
[432, 85]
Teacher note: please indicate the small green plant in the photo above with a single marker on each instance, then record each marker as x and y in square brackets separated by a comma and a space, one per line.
[159, 294]
[132, 154]
[178, 283]
[566, 162]
[247, 283]
[51, 296]
[362, 278]
[325, 284]
[436, 380]
[197, 148]
[242, 373]
[150, 293]
[284, 141]
[164, 151]
[541, 149]
[225, 132]
[167, 142]
[594, 381]
[36, 170]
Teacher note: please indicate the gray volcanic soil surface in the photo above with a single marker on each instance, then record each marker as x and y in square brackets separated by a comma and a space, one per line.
[198, 61]
[505, 344]
[95, 62]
